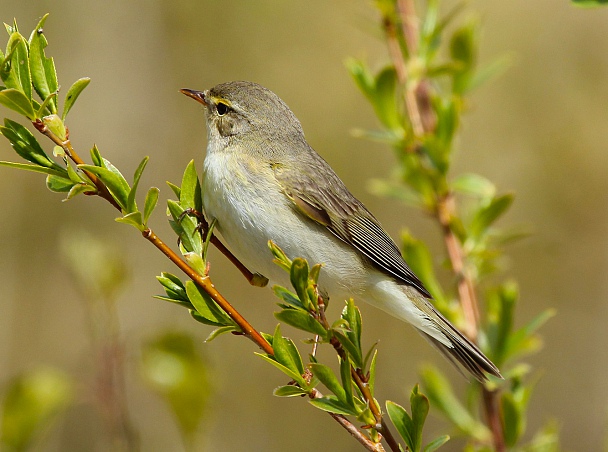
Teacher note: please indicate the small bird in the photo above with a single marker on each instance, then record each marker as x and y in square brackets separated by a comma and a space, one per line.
[262, 181]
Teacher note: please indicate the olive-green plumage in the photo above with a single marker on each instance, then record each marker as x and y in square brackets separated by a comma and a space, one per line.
[262, 181]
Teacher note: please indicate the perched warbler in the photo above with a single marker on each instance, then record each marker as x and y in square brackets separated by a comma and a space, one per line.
[262, 181]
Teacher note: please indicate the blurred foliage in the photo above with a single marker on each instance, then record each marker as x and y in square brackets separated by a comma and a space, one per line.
[31, 402]
[175, 369]
[438, 73]
[419, 99]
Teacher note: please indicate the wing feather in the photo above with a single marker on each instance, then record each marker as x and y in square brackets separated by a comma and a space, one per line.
[328, 202]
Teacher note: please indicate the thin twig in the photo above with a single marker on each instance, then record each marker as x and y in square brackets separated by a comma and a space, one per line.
[351, 428]
[205, 282]
[361, 382]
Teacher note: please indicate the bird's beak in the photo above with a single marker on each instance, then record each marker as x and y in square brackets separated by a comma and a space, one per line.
[198, 96]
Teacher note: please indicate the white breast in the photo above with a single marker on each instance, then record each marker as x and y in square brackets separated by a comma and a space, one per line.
[251, 210]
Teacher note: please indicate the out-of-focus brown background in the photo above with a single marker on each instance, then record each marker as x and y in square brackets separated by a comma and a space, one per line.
[540, 131]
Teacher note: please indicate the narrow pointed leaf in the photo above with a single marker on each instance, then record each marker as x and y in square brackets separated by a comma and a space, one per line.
[18, 102]
[436, 443]
[131, 203]
[289, 391]
[33, 168]
[190, 190]
[299, 279]
[15, 70]
[73, 93]
[286, 370]
[116, 184]
[44, 75]
[301, 320]
[403, 423]
[332, 405]
[489, 214]
[150, 203]
[441, 395]
[59, 184]
[221, 330]
[205, 305]
[327, 377]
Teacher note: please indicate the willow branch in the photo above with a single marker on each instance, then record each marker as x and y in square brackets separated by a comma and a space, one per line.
[204, 281]
[423, 120]
[361, 382]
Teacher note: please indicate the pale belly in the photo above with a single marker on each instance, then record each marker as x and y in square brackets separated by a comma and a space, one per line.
[250, 212]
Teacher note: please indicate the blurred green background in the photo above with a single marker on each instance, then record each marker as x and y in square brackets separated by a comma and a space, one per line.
[540, 130]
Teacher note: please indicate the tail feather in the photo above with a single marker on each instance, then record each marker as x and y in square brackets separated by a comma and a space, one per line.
[463, 352]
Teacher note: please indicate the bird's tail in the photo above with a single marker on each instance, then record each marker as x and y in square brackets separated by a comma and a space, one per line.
[463, 351]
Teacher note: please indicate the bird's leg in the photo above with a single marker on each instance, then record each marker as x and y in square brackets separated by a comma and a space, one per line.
[255, 279]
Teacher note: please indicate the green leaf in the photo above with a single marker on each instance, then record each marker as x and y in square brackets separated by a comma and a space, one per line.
[420, 260]
[185, 227]
[96, 157]
[354, 352]
[286, 352]
[514, 405]
[442, 397]
[523, 341]
[175, 188]
[372, 371]
[133, 219]
[131, 203]
[44, 107]
[287, 296]
[221, 330]
[15, 69]
[474, 184]
[33, 168]
[173, 286]
[150, 203]
[73, 93]
[385, 98]
[116, 183]
[332, 405]
[299, 279]
[289, 391]
[402, 422]
[206, 307]
[17, 101]
[79, 188]
[196, 262]
[395, 190]
[488, 214]
[301, 320]
[190, 193]
[286, 370]
[501, 310]
[280, 258]
[589, 3]
[59, 184]
[327, 377]
[420, 410]
[436, 443]
[44, 75]
[31, 401]
[175, 369]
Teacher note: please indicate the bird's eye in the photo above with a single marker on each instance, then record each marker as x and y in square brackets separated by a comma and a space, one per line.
[222, 108]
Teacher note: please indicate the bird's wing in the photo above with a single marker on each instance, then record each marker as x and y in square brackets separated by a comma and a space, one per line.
[327, 201]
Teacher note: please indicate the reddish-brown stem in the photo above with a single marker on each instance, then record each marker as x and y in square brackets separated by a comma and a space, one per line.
[491, 409]
[423, 121]
[205, 283]
[466, 286]
[66, 145]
